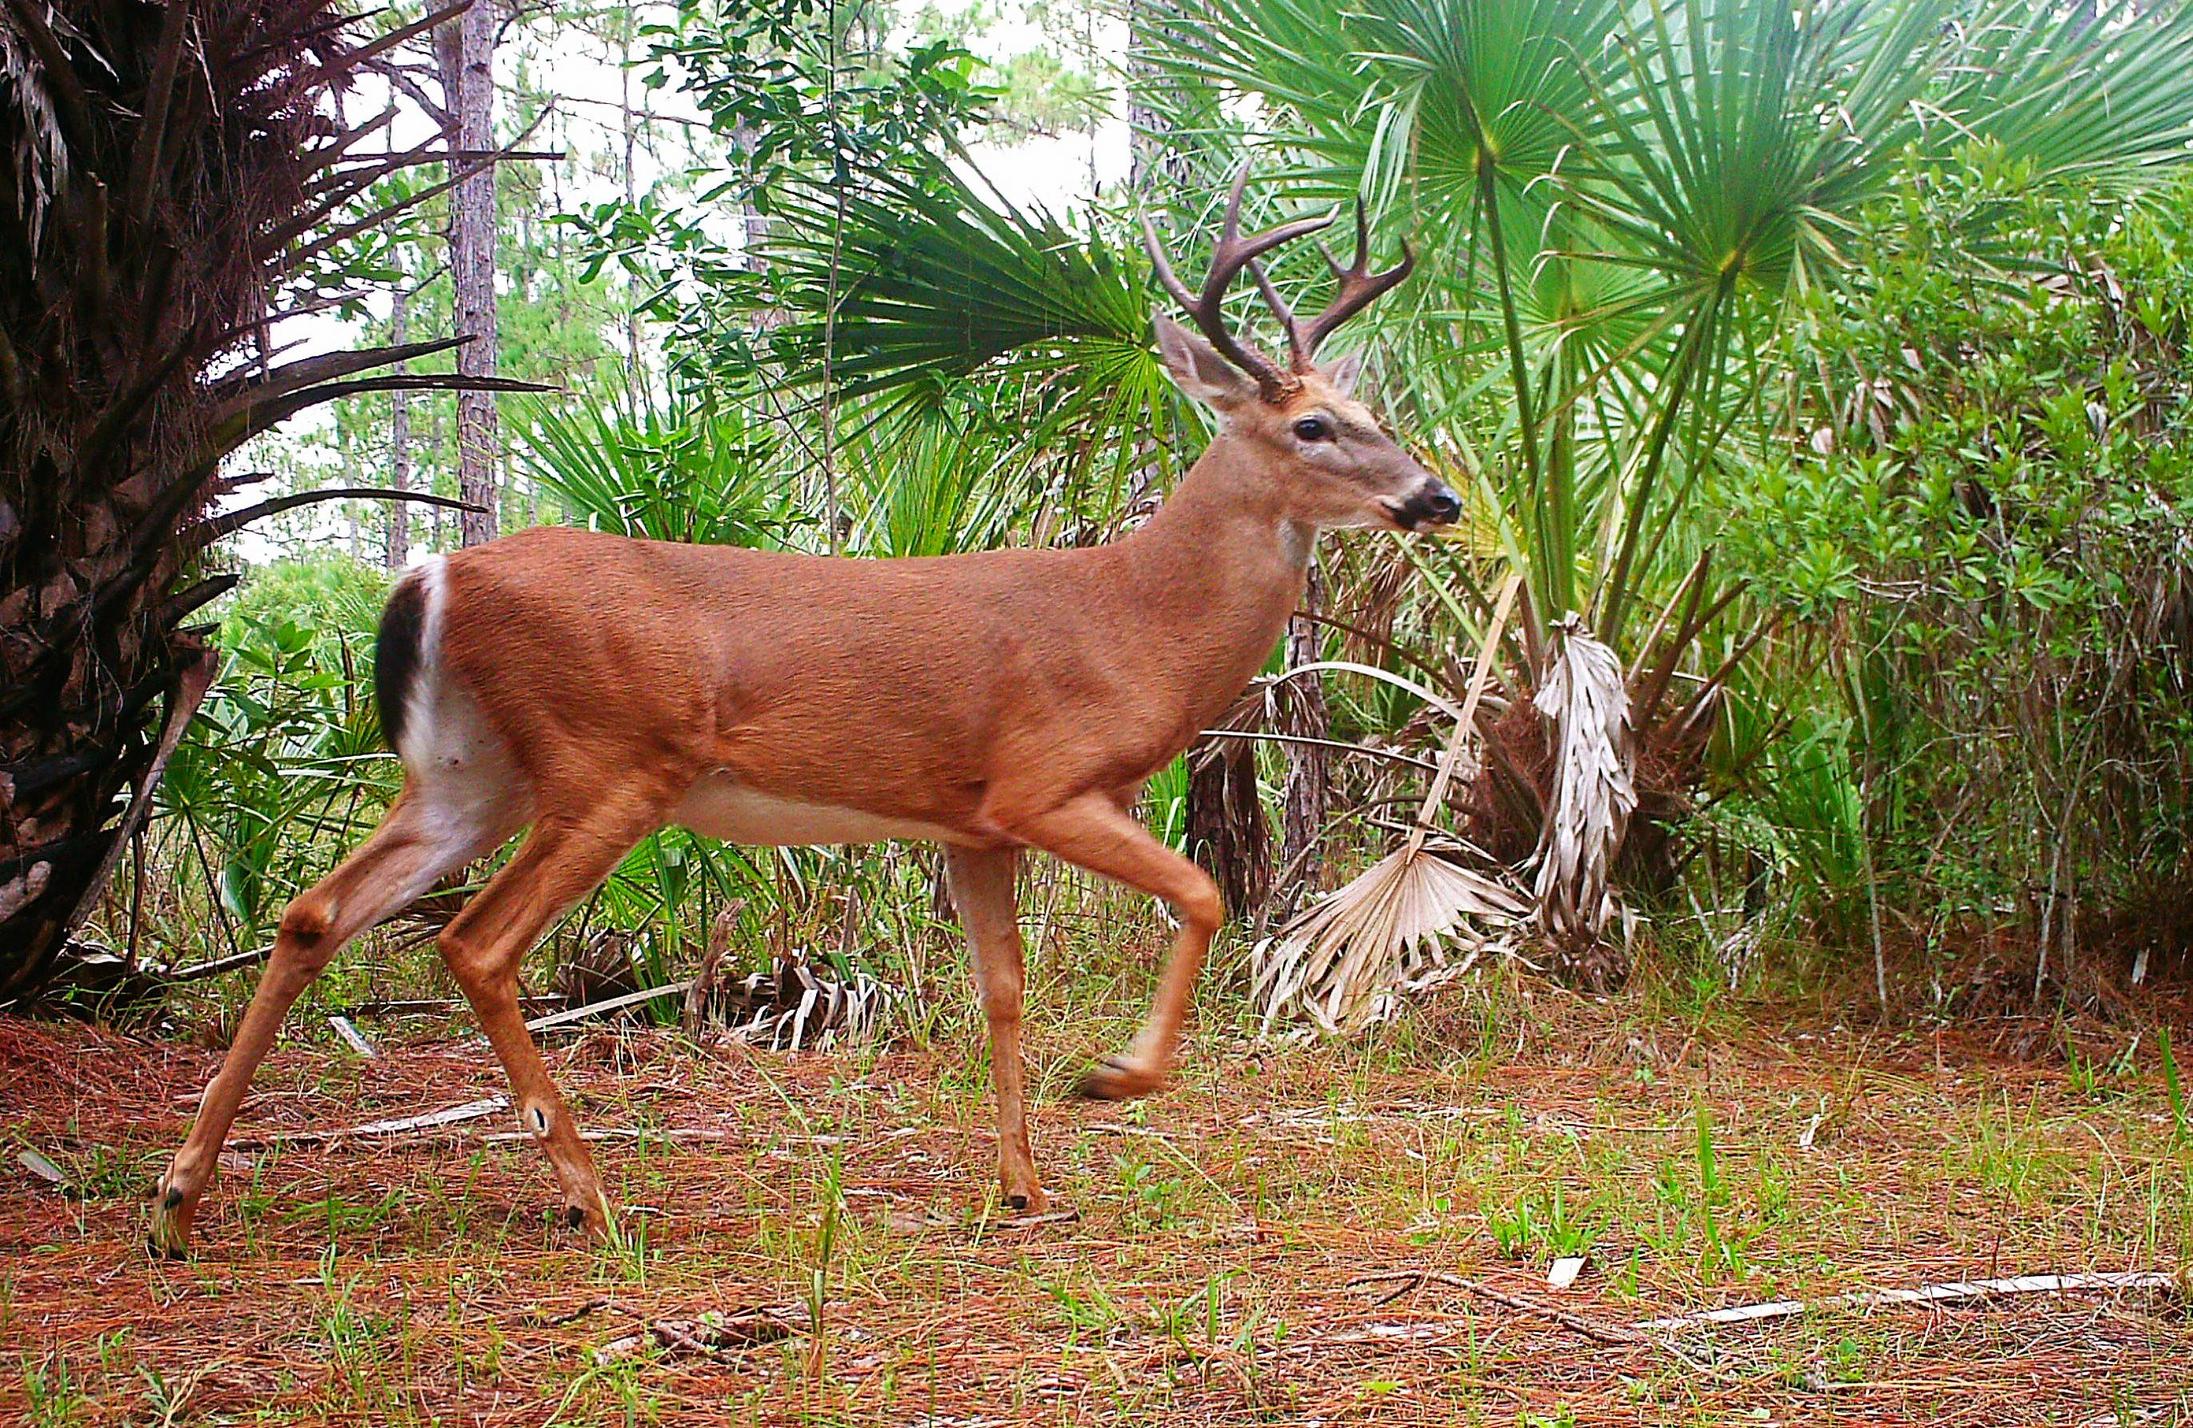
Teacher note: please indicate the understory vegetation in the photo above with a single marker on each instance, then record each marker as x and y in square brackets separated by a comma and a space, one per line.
[1829, 368]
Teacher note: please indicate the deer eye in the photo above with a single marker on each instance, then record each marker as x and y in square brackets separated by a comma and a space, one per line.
[1313, 428]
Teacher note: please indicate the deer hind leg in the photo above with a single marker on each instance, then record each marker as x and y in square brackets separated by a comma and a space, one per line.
[563, 859]
[982, 895]
[1094, 832]
[415, 844]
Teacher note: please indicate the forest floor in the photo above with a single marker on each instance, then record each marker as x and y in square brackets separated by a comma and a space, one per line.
[1294, 1235]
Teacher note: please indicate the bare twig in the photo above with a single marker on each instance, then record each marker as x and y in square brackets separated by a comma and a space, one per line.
[711, 1333]
[593, 1009]
[379, 1130]
[1405, 1280]
[704, 981]
[2179, 1282]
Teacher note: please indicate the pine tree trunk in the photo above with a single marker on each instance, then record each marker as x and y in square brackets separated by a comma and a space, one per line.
[399, 440]
[465, 48]
[631, 199]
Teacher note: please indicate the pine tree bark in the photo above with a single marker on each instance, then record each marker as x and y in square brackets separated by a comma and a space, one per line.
[399, 440]
[465, 51]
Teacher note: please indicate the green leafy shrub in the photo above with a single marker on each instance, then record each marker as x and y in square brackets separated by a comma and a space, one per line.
[1985, 512]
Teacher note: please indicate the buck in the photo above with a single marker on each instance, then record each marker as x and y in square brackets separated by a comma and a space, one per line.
[597, 688]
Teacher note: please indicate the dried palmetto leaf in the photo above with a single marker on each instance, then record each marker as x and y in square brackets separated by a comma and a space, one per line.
[797, 1006]
[1585, 703]
[1416, 918]
[41, 153]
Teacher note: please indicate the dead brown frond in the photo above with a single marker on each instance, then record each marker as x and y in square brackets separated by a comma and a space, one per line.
[798, 1006]
[1417, 917]
[1585, 703]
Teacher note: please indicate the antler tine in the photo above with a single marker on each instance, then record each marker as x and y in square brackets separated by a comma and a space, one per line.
[1359, 288]
[1285, 314]
[1232, 254]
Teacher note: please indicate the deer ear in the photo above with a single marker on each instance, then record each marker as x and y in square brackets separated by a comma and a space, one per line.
[1343, 373]
[1198, 370]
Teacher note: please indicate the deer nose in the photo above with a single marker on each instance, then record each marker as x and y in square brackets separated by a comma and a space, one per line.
[1433, 504]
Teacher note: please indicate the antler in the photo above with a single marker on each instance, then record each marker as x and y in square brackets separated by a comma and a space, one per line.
[1234, 253]
[1359, 288]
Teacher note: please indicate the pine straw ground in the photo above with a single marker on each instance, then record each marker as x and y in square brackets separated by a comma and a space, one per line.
[1241, 1251]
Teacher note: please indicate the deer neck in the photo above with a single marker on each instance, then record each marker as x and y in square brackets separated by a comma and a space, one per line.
[1215, 575]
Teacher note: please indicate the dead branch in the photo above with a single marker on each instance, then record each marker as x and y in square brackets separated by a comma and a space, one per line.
[2179, 1282]
[378, 1130]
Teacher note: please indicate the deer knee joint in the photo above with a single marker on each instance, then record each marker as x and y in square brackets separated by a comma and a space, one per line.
[307, 920]
[463, 958]
[1002, 1004]
[1201, 908]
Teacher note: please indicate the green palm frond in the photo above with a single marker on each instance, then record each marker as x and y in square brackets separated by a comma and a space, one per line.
[706, 476]
[2105, 97]
[933, 280]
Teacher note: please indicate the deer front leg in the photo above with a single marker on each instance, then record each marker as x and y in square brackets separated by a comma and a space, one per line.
[982, 894]
[560, 862]
[402, 858]
[1093, 832]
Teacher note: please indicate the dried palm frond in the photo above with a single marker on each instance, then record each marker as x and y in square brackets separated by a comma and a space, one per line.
[41, 154]
[797, 1006]
[1345, 962]
[607, 964]
[1227, 832]
[1585, 703]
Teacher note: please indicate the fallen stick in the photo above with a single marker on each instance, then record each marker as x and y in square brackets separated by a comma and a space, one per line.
[629, 999]
[372, 1130]
[438, 1005]
[555, 1319]
[198, 972]
[352, 1037]
[1589, 1328]
[616, 1133]
[1412, 1278]
[1961, 1291]
[711, 1333]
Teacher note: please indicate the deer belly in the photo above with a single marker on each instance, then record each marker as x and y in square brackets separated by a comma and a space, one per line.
[719, 806]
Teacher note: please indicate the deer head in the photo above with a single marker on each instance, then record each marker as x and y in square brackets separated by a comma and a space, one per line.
[1320, 453]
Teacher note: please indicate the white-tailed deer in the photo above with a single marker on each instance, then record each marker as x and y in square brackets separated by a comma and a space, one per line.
[597, 688]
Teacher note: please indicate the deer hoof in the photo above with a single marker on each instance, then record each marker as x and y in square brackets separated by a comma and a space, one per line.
[169, 1236]
[576, 1217]
[1116, 1079]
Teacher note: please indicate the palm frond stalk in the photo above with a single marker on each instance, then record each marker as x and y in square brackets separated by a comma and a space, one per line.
[1345, 962]
[172, 171]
